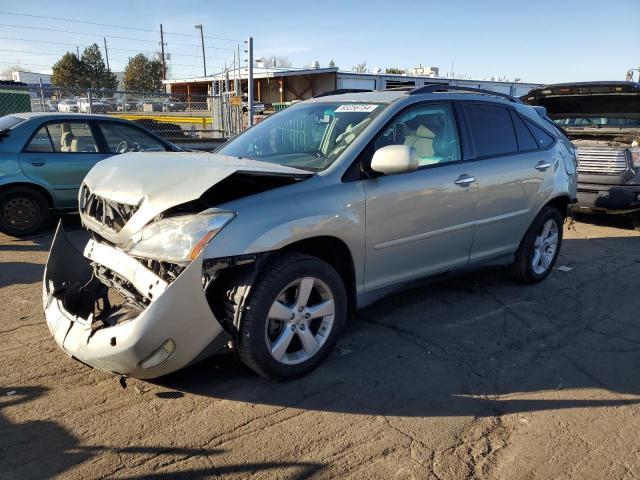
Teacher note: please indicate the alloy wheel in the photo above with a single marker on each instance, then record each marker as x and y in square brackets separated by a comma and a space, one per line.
[300, 320]
[544, 248]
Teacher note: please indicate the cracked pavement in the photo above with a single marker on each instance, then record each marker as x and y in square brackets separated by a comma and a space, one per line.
[473, 377]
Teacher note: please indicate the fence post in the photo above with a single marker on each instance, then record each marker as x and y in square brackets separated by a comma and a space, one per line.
[89, 98]
[250, 82]
[41, 96]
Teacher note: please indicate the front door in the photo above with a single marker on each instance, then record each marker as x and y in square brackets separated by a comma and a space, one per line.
[422, 222]
[60, 155]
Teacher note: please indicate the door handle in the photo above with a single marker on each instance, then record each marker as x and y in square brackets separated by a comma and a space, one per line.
[36, 163]
[542, 166]
[464, 180]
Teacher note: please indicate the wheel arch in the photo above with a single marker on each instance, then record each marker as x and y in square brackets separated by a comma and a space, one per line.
[561, 203]
[336, 253]
[35, 186]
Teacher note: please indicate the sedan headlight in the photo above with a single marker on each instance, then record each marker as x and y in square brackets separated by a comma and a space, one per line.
[178, 239]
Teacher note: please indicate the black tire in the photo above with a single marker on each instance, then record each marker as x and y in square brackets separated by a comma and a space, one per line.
[522, 268]
[23, 211]
[635, 221]
[252, 319]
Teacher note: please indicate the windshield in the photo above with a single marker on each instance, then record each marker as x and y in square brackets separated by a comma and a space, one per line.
[615, 122]
[309, 136]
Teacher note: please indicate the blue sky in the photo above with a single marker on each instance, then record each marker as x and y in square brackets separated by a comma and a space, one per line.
[539, 41]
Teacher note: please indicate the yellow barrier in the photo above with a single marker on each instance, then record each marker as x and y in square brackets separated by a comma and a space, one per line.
[165, 118]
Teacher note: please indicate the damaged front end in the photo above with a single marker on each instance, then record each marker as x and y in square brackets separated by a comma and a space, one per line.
[116, 313]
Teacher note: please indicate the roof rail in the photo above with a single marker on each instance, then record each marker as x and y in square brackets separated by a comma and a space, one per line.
[340, 91]
[438, 87]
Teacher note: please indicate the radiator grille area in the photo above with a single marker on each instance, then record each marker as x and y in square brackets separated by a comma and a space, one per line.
[602, 161]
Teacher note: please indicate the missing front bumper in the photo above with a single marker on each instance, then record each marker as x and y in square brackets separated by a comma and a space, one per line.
[178, 312]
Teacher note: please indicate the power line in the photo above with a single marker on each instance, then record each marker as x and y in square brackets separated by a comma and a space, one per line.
[110, 48]
[91, 34]
[114, 26]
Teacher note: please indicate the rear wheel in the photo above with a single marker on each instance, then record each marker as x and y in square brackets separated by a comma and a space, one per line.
[539, 248]
[293, 316]
[23, 211]
[635, 219]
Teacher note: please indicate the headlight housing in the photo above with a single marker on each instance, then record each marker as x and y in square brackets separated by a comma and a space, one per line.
[178, 239]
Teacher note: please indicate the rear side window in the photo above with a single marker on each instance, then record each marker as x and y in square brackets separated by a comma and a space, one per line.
[72, 137]
[526, 142]
[542, 137]
[40, 142]
[492, 129]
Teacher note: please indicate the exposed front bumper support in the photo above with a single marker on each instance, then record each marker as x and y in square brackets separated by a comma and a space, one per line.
[608, 198]
[178, 311]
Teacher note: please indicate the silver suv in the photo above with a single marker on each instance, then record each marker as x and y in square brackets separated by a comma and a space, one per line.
[266, 246]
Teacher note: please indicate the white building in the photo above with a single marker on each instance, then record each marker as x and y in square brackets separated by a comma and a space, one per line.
[31, 78]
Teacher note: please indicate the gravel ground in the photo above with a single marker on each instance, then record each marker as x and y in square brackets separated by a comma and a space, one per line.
[475, 377]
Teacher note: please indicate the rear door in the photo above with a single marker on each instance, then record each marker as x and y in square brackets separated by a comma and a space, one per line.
[59, 155]
[510, 170]
[422, 222]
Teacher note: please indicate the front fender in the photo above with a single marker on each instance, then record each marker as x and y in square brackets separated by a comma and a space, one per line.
[337, 211]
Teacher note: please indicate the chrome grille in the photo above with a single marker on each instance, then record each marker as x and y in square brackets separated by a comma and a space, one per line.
[603, 161]
[108, 212]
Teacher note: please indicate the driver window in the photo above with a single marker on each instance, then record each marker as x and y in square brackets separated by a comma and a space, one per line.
[123, 138]
[430, 129]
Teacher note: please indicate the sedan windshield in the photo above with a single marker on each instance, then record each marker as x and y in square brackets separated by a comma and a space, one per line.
[598, 122]
[309, 136]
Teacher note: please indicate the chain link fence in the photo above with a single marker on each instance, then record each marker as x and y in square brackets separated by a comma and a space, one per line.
[193, 120]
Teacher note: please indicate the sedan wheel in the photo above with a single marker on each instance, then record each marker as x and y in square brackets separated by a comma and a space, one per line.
[23, 211]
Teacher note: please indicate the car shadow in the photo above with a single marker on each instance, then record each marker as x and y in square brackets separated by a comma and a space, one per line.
[44, 449]
[623, 222]
[41, 242]
[476, 345]
[12, 273]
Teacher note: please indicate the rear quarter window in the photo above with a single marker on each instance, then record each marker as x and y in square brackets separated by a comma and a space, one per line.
[526, 141]
[543, 138]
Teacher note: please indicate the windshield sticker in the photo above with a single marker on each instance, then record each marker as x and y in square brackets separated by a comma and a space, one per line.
[355, 107]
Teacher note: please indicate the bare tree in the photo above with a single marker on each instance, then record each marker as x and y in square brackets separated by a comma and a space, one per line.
[5, 73]
[275, 61]
[360, 68]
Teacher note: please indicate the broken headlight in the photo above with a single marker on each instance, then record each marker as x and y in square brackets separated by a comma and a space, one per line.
[178, 239]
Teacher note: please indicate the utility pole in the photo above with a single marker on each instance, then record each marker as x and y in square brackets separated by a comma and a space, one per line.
[78, 51]
[164, 65]
[204, 59]
[106, 52]
[250, 82]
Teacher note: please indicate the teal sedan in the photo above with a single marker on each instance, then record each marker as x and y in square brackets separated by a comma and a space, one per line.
[45, 156]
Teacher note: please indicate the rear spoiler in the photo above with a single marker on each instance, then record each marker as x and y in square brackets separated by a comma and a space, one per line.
[541, 110]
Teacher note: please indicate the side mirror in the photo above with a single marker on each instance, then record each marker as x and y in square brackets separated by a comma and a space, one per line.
[395, 159]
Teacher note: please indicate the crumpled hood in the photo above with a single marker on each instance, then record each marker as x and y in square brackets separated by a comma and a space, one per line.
[158, 181]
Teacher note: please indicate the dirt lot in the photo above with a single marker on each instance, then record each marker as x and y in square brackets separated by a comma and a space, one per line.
[476, 377]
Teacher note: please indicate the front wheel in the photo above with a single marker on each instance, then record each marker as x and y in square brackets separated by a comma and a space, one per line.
[539, 248]
[635, 219]
[293, 316]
